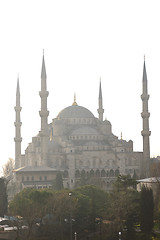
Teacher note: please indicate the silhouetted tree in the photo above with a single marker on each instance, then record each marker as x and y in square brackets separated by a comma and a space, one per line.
[59, 181]
[95, 200]
[146, 211]
[124, 205]
[8, 174]
[31, 204]
[8, 169]
[3, 197]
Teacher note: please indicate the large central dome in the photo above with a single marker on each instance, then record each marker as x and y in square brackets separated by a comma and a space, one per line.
[75, 111]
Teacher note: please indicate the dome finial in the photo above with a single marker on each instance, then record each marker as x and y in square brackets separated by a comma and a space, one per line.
[74, 103]
[121, 136]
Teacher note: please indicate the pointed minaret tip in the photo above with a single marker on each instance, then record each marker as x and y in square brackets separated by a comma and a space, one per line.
[43, 72]
[100, 89]
[18, 89]
[144, 71]
[100, 103]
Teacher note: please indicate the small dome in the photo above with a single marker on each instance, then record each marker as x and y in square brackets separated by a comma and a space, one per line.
[75, 111]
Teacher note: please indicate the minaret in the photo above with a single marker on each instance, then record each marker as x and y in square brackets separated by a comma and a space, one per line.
[17, 124]
[100, 103]
[44, 115]
[145, 132]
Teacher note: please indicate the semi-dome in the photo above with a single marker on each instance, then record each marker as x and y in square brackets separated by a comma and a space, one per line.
[75, 111]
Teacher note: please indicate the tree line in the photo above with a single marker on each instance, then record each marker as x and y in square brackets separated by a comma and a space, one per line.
[88, 211]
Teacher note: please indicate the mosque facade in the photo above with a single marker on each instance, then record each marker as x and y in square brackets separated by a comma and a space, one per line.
[78, 144]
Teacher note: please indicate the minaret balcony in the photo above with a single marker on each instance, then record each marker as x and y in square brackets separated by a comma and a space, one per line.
[145, 96]
[18, 139]
[17, 108]
[145, 133]
[100, 110]
[43, 113]
[18, 124]
[145, 114]
[43, 94]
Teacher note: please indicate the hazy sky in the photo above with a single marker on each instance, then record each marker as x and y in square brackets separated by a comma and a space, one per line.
[83, 40]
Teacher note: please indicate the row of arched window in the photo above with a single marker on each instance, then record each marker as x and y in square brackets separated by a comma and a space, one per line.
[32, 178]
[80, 120]
[85, 137]
[93, 173]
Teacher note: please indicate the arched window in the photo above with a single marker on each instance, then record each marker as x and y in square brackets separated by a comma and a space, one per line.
[97, 173]
[117, 173]
[77, 174]
[83, 174]
[92, 173]
[65, 174]
[111, 173]
[103, 173]
[45, 178]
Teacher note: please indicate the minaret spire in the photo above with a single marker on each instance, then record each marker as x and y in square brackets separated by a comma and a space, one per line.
[44, 114]
[17, 124]
[145, 117]
[43, 71]
[100, 103]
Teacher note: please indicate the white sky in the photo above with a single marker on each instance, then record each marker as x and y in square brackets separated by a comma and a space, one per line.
[83, 41]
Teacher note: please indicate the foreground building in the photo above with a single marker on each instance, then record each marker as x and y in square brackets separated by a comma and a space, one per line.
[78, 144]
[150, 183]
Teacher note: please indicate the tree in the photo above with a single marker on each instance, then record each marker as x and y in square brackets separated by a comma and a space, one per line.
[82, 213]
[124, 182]
[31, 204]
[59, 181]
[9, 175]
[96, 202]
[124, 205]
[146, 211]
[3, 197]
[158, 215]
[62, 207]
[155, 172]
[8, 169]
[98, 198]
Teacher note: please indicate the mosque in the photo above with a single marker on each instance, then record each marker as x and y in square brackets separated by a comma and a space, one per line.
[78, 144]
